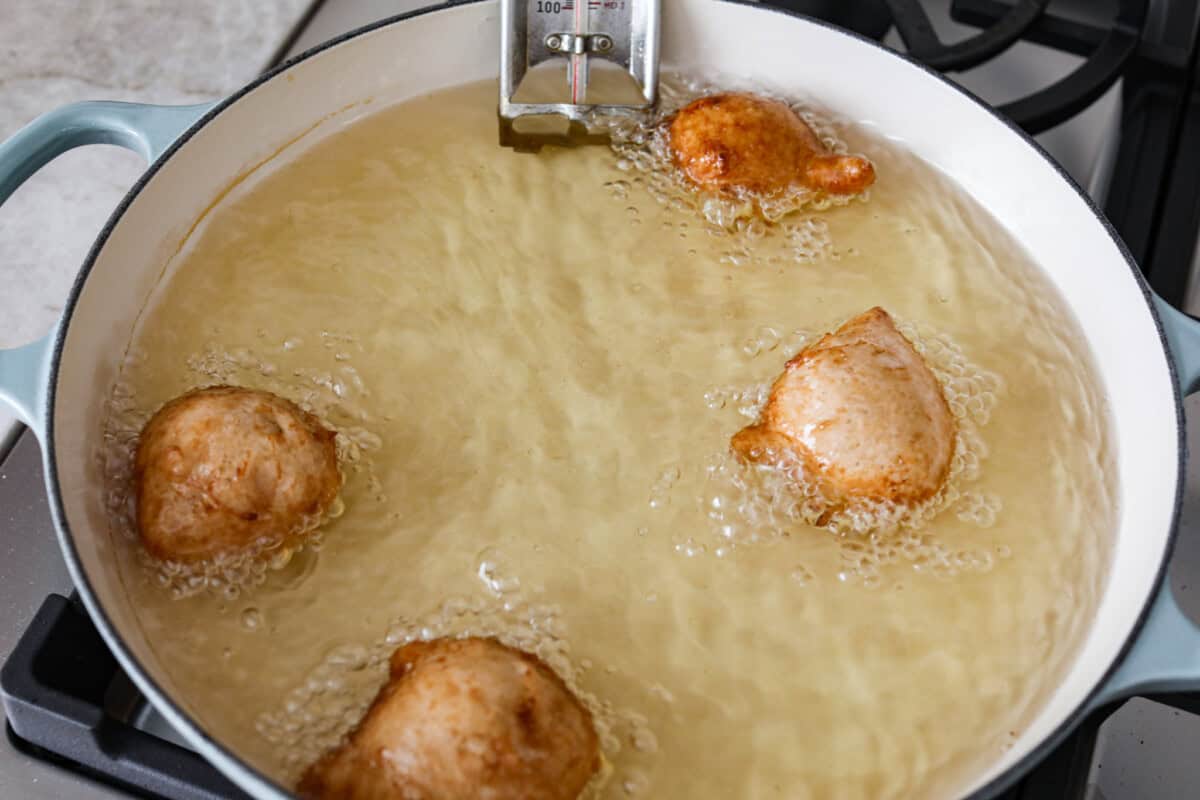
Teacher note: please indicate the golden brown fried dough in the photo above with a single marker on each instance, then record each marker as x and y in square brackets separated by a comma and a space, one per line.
[861, 413]
[462, 719]
[743, 141]
[220, 468]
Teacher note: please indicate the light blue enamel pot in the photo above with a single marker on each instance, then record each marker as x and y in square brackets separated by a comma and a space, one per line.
[1146, 352]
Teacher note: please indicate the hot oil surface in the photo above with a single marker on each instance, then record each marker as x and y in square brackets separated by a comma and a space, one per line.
[532, 365]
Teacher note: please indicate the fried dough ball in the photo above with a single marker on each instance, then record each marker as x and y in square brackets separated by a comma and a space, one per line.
[460, 719]
[861, 413]
[739, 140]
[220, 468]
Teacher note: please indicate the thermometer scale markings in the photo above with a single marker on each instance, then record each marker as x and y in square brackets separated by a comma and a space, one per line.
[580, 28]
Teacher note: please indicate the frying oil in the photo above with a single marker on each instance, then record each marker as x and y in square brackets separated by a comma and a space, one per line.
[535, 363]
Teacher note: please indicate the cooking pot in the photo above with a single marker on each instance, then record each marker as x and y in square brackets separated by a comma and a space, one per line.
[1145, 350]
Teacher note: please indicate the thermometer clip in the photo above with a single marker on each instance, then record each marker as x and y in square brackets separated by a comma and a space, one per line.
[533, 32]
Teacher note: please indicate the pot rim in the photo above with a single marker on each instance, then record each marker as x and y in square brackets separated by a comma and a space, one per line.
[252, 779]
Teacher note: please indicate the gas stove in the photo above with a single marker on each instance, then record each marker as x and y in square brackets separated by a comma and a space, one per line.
[1109, 89]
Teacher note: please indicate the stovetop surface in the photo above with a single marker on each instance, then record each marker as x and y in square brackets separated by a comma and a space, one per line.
[1146, 750]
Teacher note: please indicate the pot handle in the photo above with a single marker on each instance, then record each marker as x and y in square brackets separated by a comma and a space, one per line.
[145, 129]
[1165, 657]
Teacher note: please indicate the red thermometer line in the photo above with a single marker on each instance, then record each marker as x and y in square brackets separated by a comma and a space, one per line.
[579, 61]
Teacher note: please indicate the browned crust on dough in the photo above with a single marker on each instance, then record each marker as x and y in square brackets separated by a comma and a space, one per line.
[756, 144]
[867, 397]
[442, 727]
[219, 468]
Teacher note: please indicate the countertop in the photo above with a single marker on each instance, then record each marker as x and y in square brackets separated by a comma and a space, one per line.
[54, 52]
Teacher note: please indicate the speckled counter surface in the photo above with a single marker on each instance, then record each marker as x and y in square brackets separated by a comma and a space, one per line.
[54, 52]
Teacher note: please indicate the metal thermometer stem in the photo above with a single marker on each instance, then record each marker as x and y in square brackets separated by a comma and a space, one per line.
[577, 68]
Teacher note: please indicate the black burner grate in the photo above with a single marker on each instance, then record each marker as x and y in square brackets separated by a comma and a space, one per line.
[67, 701]
[1154, 198]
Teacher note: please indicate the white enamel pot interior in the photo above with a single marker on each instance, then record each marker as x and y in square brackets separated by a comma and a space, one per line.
[328, 89]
